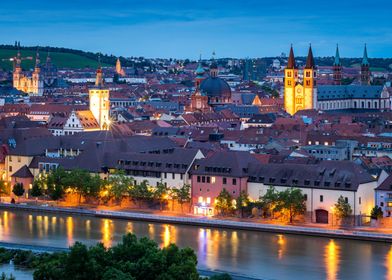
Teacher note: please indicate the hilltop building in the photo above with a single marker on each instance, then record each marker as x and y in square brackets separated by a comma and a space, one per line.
[99, 101]
[119, 69]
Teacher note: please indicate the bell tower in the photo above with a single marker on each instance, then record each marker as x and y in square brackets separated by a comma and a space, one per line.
[309, 82]
[17, 74]
[37, 82]
[365, 68]
[290, 81]
[99, 101]
[337, 68]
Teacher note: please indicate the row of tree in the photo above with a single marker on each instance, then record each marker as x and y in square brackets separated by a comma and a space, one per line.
[290, 203]
[58, 182]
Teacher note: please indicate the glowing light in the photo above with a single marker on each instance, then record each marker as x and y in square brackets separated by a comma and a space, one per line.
[331, 259]
[281, 246]
[388, 264]
[70, 226]
[106, 230]
[166, 236]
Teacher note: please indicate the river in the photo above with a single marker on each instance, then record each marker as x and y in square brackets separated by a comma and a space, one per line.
[255, 254]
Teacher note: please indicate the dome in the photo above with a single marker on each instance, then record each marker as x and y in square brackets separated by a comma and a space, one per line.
[215, 87]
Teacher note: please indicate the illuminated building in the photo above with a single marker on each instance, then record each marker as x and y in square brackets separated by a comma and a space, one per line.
[99, 101]
[119, 69]
[33, 85]
[300, 95]
[199, 100]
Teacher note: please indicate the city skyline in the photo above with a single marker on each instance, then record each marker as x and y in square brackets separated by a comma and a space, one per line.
[184, 30]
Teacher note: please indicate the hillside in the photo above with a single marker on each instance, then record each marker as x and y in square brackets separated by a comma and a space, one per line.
[62, 58]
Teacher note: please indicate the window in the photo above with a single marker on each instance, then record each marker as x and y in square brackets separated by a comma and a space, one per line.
[18, 159]
[203, 179]
[200, 199]
[198, 179]
[10, 158]
[208, 199]
[359, 200]
[181, 176]
[165, 175]
[321, 198]
[389, 203]
[346, 199]
[382, 204]
[208, 179]
[234, 181]
[305, 197]
[10, 169]
[173, 176]
[213, 180]
[224, 181]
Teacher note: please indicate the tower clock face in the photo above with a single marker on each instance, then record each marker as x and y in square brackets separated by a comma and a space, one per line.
[298, 90]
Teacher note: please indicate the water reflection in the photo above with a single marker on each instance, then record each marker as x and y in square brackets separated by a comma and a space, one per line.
[331, 257]
[281, 246]
[388, 264]
[70, 228]
[106, 229]
[256, 254]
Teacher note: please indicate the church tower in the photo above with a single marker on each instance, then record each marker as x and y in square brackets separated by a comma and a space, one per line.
[119, 69]
[365, 69]
[199, 101]
[309, 82]
[36, 80]
[290, 81]
[337, 68]
[99, 101]
[17, 74]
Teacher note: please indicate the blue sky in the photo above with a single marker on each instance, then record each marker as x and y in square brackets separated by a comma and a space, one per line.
[185, 28]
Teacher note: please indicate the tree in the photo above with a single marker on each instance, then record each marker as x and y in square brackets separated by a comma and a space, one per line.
[36, 190]
[84, 184]
[18, 189]
[119, 185]
[4, 276]
[224, 202]
[3, 188]
[342, 208]
[161, 193]
[270, 200]
[141, 192]
[182, 195]
[291, 201]
[242, 202]
[376, 213]
[55, 183]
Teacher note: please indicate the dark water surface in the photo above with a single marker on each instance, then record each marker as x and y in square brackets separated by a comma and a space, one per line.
[257, 254]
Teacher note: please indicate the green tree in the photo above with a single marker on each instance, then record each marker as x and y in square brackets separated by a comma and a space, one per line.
[161, 194]
[270, 200]
[3, 188]
[4, 276]
[224, 202]
[36, 190]
[376, 213]
[18, 189]
[182, 195]
[342, 208]
[223, 276]
[242, 202]
[141, 192]
[292, 202]
[54, 183]
[119, 185]
[84, 184]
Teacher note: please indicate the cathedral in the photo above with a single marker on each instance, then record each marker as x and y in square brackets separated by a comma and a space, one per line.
[210, 92]
[300, 94]
[303, 94]
[33, 85]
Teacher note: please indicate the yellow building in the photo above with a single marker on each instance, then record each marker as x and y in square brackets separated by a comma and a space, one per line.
[300, 94]
[99, 102]
[33, 85]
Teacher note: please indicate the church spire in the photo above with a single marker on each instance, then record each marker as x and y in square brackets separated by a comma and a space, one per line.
[337, 57]
[310, 60]
[99, 78]
[365, 60]
[37, 59]
[291, 62]
[213, 67]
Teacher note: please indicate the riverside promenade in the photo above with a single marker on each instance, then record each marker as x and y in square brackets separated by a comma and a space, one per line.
[354, 233]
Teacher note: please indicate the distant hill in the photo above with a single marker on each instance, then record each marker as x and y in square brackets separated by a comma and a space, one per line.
[61, 57]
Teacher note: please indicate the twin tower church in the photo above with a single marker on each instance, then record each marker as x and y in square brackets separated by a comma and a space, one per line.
[301, 91]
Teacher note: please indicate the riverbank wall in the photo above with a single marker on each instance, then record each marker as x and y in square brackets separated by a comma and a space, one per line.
[210, 222]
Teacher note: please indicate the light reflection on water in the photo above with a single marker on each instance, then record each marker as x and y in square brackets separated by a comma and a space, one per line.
[263, 255]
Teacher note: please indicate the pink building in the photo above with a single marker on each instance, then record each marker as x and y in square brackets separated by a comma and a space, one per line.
[223, 170]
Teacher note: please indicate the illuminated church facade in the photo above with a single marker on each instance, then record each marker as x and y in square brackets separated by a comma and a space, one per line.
[300, 94]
